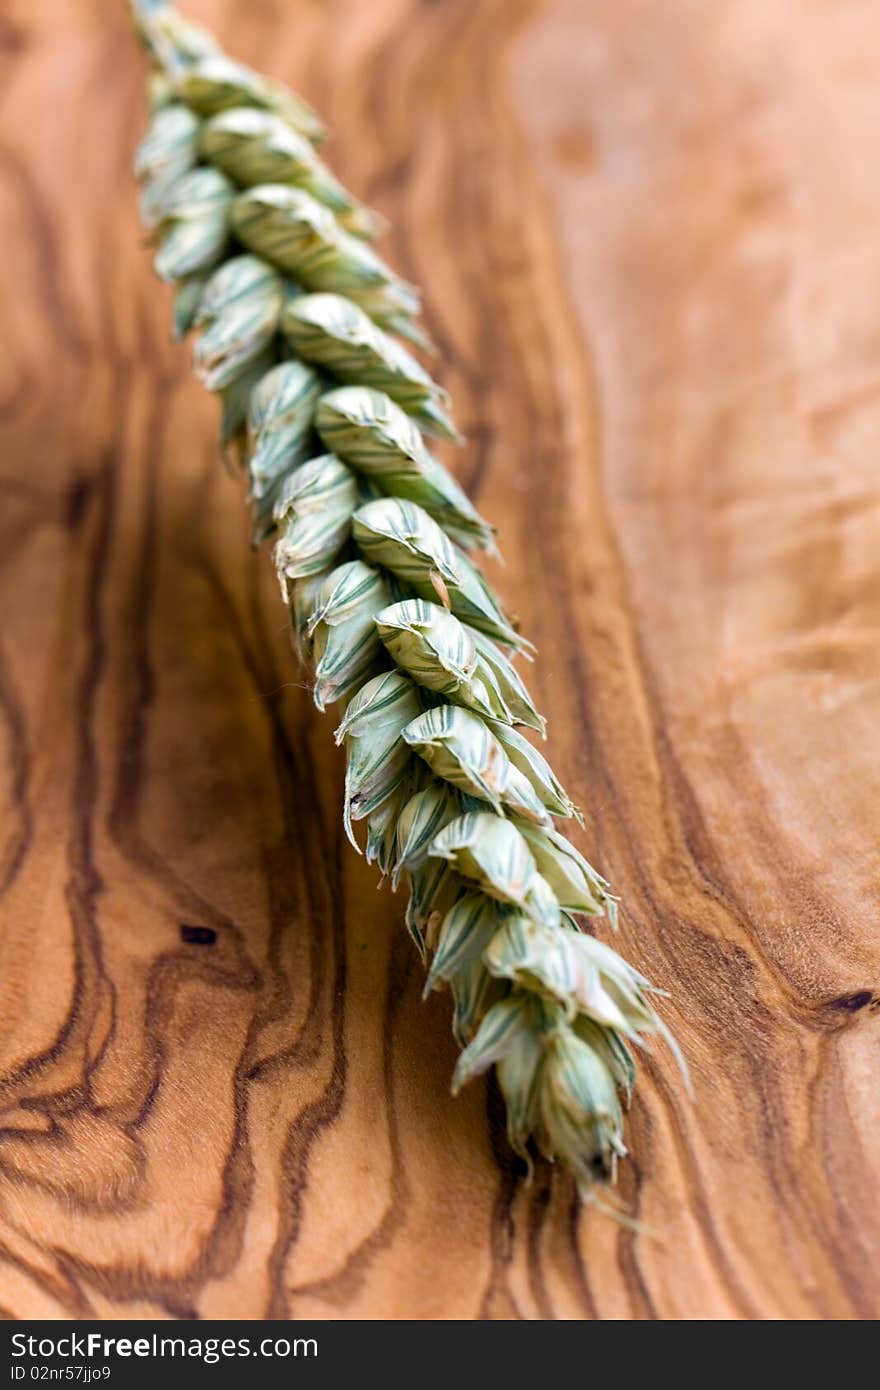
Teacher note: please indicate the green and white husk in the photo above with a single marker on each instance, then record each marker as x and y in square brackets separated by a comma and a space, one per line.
[293, 310]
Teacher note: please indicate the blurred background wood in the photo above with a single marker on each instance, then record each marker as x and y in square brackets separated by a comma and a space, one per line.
[648, 235]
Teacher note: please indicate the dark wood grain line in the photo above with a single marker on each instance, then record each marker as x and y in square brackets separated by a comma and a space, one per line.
[41, 243]
[84, 882]
[340, 1287]
[539, 1206]
[497, 1299]
[315, 1117]
[20, 833]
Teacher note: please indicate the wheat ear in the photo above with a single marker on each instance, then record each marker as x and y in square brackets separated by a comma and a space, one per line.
[294, 312]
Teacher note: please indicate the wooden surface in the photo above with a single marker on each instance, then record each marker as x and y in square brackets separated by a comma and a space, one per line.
[649, 238]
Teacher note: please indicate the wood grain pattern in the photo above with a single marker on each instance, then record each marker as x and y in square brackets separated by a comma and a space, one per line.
[649, 240]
